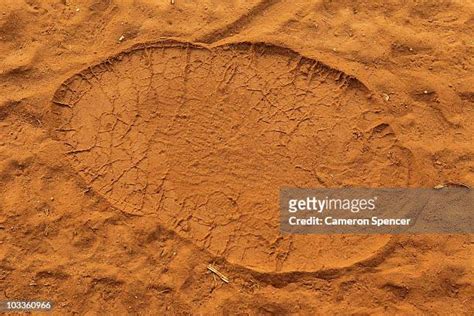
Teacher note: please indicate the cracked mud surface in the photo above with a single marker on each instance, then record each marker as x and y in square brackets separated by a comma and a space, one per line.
[205, 139]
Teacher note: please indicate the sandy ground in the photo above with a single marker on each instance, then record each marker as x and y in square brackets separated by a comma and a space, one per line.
[142, 141]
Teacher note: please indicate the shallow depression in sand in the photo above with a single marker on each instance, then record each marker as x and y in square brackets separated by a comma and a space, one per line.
[205, 138]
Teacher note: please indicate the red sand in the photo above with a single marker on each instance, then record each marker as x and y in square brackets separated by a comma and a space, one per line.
[129, 162]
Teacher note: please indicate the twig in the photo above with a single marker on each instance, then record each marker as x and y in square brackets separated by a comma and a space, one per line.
[219, 274]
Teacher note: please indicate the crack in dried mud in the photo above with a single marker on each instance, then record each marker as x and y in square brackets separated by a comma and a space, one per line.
[205, 137]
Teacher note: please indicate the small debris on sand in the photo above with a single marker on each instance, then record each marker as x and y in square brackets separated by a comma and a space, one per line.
[219, 274]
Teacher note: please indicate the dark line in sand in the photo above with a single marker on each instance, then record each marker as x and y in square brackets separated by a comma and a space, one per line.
[238, 24]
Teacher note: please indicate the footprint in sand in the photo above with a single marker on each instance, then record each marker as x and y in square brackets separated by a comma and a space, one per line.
[203, 138]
